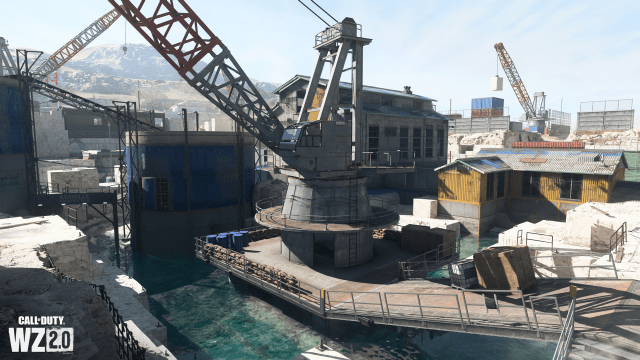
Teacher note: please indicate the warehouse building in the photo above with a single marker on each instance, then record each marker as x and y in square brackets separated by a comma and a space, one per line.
[526, 184]
[398, 128]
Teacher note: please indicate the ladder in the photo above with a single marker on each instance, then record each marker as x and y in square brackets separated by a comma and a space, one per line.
[353, 220]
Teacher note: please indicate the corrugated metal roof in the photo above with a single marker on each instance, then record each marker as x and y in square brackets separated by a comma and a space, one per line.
[483, 165]
[563, 161]
[346, 85]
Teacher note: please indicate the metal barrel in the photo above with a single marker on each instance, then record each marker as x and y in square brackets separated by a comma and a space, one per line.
[237, 242]
[223, 240]
[211, 239]
[245, 238]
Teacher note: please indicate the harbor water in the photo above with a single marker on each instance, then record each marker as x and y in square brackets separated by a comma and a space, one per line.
[208, 318]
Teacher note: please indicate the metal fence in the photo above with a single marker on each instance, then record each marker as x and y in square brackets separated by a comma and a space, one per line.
[383, 212]
[619, 237]
[420, 266]
[566, 336]
[128, 346]
[606, 105]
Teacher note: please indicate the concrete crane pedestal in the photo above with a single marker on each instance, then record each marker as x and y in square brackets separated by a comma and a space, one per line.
[329, 218]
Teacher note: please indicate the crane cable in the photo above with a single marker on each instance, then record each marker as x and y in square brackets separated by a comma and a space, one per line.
[318, 16]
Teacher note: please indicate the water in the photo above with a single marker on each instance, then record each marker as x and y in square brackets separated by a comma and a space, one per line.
[208, 318]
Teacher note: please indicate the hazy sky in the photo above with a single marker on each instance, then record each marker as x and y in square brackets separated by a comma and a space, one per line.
[575, 50]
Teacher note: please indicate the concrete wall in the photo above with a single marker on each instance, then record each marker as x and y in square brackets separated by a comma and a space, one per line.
[536, 209]
[78, 145]
[479, 125]
[76, 179]
[13, 187]
[170, 232]
[297, 247]
[606, 120]
[63, 164]
[51, 137]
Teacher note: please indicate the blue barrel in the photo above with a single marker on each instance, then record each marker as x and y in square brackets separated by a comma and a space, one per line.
[223, 240]
[245, 238]
[211, 239]
[237, 242]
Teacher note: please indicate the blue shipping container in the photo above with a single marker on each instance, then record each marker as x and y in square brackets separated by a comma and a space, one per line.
[533, 129]
[487, 103]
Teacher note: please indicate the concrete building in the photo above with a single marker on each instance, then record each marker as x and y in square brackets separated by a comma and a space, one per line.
[397, 128]
[525, 184]
[206, 192]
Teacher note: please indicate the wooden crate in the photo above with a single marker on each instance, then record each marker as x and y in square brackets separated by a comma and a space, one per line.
[420, 239]
[504, 268]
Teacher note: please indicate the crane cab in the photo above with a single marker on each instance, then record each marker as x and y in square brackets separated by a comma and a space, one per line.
[317, 146]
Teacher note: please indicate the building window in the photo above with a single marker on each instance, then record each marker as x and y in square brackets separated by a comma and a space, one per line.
[97, 121]
[530, 183]
[501, 184]
[491, 177]
[571, 186]
[300, 94]
[417, 137]
[387, 102]
[265, 154]
[428, 141]
[374, 137]
[390, 131]
[440, 139]
[404, 142]
[162, 194]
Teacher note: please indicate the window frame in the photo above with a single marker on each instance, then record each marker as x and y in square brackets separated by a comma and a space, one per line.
[490, 193]
[573, 183]
[417, 139]
[374, 129]
[501, 179]
[428, 142]
[534, 176]
[404, 142]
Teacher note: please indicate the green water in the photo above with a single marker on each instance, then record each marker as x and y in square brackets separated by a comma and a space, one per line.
[208, 318]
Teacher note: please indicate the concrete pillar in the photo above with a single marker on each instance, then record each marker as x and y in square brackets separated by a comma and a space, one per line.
[364, 248]
[297, 247]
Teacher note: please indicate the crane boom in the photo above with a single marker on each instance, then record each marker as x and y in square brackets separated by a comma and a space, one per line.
[515, 80]
[79, 42]
[191, 41]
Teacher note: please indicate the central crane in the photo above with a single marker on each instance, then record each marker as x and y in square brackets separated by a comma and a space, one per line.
[324, 186]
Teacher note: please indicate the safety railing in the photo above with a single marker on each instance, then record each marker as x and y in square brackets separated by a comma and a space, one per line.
[420, 266]
[127, 346]
[566, 335]
[265, 276]
[476, 113]
[556, 269]
[527, 238]
[619, 237]
[437, 307]
[423, 310]
[394, 159]
[383, 212]
[338, 30]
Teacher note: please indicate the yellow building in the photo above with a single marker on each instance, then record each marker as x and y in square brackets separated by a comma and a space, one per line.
[525, 184]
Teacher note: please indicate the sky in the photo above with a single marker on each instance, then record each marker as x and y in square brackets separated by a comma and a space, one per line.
[574, 51]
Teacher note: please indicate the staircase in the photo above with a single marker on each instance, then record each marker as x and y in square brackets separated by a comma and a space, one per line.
[588, 349]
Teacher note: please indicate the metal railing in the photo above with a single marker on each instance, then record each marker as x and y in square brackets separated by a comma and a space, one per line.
[606, 105]
[476, 113]
[370, 304]
[128, 347]
[264, 276]
[567, 266]
[400, 159]
[527, 238]
[383, 212]
[72, 219]
[420, 266]
[566, 335]
[338, 30]
[620, 237]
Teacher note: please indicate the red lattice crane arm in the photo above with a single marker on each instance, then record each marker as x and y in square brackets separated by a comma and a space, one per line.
[515, 80]
[79, 42]
[183, 39]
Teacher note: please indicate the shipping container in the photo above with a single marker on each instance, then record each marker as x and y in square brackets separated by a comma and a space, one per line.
[487, 103]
